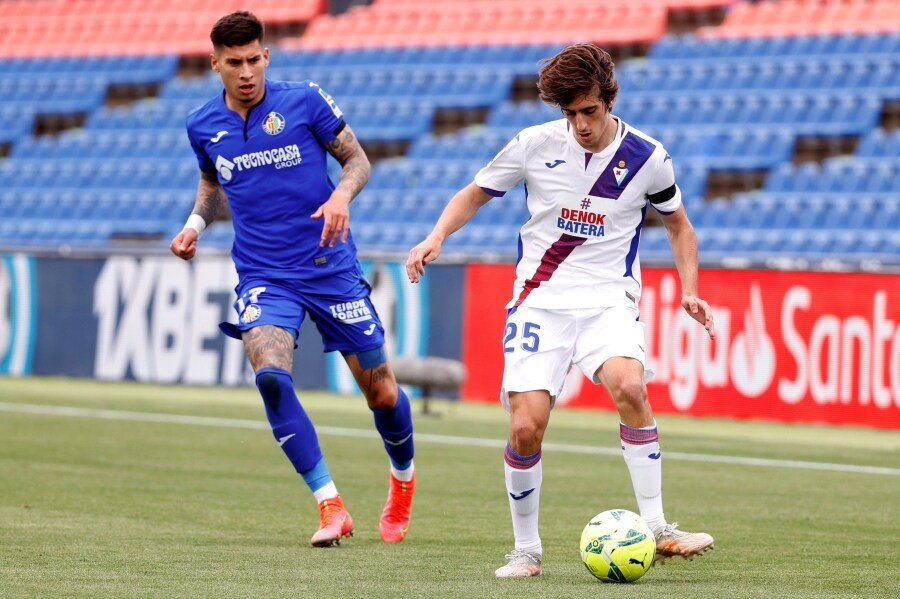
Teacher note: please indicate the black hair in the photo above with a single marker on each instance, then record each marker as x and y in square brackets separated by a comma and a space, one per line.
[237, 29]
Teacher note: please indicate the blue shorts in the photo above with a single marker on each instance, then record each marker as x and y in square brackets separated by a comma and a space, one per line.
[343, 313]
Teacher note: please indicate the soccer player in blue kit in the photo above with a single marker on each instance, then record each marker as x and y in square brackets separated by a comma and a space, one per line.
[262, 145]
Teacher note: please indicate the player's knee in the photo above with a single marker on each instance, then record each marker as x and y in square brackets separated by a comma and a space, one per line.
[381, 396]
[268, 385]
[527, 435]
[272, 384]
[630, 391]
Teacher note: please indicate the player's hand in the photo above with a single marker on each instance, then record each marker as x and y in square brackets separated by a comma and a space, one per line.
[701, 312]
[424, 253]
[184, 245]
[336, 212]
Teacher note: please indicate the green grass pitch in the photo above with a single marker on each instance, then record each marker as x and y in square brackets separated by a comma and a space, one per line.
[128, 490]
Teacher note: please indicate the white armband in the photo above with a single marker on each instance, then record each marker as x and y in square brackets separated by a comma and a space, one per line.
[195, 222]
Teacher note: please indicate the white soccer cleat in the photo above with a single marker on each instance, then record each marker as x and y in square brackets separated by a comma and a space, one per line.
[671, 542]
[521, 564]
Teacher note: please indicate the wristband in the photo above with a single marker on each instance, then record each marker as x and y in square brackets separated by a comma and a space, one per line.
[195, 222]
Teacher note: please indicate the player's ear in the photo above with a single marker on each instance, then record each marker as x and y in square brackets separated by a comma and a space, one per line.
[214, 62]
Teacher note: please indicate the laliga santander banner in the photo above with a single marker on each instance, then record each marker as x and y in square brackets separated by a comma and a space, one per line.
[790, 346]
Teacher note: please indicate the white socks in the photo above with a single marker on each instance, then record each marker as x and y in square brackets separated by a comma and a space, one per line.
[523, 489]
[640, 448]
[404, 475]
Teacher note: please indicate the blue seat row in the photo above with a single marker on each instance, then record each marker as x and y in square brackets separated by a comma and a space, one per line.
[16, 121]
[151, 114]
[812, 244]
[837, 175]
[89, 143]
[520, 59]
[876, 74]
[94, 204]
[97, 173]
[120, 70]
[819, 113]
[59, 101]
[444, 84]
[764, 211]
[690, 47]
[834, 113]
[879, 143]
[480, 144]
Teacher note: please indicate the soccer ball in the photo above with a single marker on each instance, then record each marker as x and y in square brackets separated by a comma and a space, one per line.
[617, 546]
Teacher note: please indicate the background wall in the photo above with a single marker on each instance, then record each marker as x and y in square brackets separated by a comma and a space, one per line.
[792, 346]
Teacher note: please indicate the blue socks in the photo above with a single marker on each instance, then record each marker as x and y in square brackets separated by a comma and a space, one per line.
[294, 431]
[396, 429]
[292, 427]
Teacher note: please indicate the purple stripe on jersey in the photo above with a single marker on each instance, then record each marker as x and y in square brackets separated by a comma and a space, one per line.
[553, 257]
[633, 248]
[632, 154]
[638, 436]
[520, 462]
[587, 159]
[493, 192]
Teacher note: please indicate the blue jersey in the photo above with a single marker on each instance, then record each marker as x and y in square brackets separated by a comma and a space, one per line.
[274, 172]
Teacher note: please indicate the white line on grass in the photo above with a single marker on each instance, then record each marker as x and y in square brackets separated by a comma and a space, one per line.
[428, 438]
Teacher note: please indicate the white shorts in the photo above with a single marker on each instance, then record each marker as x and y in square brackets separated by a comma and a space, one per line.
[541, 345]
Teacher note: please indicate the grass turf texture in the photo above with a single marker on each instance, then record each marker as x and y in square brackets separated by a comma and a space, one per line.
[95, 506]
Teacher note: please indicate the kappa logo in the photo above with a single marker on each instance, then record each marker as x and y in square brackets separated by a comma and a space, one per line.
[218, 136]
[555, 163]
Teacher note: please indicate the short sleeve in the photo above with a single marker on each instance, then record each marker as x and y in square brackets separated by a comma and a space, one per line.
[326, 118]
[505, 171]
[663, 193]
[203, 160]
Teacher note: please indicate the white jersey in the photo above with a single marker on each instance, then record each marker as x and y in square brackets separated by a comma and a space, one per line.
[579, 249]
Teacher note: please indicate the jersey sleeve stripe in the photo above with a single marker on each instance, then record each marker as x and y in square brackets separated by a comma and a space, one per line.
[493, 192]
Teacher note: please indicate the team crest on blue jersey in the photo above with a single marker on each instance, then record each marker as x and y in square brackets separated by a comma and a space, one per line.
[273, 124]
[251, 313]
[620, 172]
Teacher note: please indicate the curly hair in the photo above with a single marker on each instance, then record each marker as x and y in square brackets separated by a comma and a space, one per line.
[237, 29]
[578, 70]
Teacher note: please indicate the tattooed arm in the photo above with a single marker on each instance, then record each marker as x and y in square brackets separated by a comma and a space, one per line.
[209, 197]
[354, 175]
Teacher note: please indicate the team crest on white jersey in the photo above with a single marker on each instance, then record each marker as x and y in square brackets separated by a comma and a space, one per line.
[273, 124]
[620, 172]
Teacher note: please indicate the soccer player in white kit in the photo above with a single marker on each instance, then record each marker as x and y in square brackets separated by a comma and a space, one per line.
[589, 178]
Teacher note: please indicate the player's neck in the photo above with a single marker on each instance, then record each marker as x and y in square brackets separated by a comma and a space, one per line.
[241, 108]
[609, 132]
